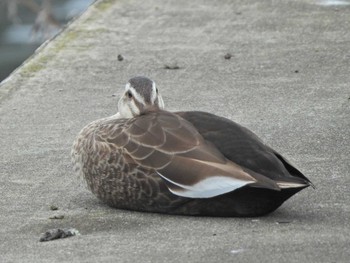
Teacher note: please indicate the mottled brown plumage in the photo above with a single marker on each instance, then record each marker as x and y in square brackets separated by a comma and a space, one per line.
[180, 163]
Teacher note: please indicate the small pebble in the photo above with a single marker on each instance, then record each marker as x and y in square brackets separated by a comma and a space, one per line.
[296, 71]
[57, 217]
[120, 57]
[58, 233]
[53, 207]
[171, 66]
[228, 56]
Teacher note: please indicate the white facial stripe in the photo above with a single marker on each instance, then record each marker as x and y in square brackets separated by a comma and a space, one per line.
[134, 109]
[137, 96]
[154, 92]
[127, 86]
[160, 102]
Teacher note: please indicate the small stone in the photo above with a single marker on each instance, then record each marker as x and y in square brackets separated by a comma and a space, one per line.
[174, 66]
[228, 56]
[53, 207]
[120, 57]
[57, 217]
[58, 233]
[296, 71]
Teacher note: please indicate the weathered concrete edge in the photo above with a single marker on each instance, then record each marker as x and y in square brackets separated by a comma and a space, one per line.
[49, 49]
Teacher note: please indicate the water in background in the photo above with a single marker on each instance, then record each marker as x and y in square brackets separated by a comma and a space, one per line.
[23, 28]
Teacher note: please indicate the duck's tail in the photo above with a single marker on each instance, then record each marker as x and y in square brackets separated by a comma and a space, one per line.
[298, 181]
[295, 183]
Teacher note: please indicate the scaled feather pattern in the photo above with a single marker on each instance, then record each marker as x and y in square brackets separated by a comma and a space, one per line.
[191, 163]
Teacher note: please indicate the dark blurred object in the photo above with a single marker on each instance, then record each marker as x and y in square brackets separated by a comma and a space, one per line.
[26, 24]
[58, 233]
[228, 56]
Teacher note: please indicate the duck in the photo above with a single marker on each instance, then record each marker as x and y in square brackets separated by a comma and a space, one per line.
[145, 158]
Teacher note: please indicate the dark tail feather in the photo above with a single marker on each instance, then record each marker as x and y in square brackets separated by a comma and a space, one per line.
[294, 171]
[262, 181]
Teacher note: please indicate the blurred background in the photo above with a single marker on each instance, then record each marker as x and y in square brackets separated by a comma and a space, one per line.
[26, 24]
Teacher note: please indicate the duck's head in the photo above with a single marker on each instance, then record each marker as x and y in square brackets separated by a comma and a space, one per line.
[140, 96]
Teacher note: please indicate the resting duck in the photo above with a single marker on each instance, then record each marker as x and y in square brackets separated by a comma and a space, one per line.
[191, 163]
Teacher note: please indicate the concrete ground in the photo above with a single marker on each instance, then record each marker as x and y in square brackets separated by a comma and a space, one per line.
[287, 80]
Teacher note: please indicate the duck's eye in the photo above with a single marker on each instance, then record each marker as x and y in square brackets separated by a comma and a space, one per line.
[129, 94]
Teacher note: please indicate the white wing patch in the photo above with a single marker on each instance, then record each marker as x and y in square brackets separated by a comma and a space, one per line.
[209, 187]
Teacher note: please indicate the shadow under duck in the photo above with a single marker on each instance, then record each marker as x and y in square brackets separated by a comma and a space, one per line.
[192, 163]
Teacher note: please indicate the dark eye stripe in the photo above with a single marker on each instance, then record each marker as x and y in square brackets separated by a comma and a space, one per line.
[129, 94]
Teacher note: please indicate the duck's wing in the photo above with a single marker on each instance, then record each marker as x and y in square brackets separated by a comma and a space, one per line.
[190, 166]
[243, 147]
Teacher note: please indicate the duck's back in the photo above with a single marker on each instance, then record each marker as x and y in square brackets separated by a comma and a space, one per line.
[243, 147]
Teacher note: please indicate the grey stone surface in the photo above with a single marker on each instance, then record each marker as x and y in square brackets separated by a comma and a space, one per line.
[288, 80]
